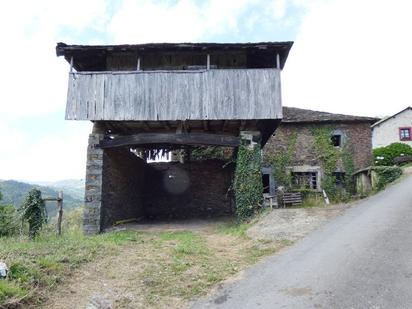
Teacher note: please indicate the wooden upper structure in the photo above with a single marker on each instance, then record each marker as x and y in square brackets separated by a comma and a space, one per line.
[215, 87]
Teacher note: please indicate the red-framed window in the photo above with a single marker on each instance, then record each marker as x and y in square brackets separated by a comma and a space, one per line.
[405, 134]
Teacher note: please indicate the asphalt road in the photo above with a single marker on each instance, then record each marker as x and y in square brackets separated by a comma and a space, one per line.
[362, 259]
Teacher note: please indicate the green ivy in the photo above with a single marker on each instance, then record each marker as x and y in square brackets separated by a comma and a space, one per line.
[201, 153]
[328, 156]
[34, 212]
[281, 161]
[348, 166]
[248, 181]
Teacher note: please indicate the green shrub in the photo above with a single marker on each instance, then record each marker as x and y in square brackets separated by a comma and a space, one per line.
[384, 156]
[34, 211]
[385, 175]
[281, 161]
[9, 222]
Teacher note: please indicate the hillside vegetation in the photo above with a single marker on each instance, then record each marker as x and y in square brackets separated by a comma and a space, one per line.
[14, 193]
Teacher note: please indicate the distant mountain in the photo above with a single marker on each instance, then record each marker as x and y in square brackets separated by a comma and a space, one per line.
[73, 187]
[14, 193]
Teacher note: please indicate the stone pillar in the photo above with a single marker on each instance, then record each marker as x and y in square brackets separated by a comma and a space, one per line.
[93, 190]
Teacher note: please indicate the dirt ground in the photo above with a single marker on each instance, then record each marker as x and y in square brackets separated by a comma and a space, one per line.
[116, 281]
[293, 223]
[122, 280]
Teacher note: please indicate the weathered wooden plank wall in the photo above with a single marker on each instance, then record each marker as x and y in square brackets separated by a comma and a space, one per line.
[175, 95]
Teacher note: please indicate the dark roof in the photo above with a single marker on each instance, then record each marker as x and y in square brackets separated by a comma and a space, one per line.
[387, 118]
[293, 115]
[86, 53]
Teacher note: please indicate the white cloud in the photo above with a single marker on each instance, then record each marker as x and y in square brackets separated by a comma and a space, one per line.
[33, 79]
[58, 155]
[181, 21]
[34, 85]
[352, 57]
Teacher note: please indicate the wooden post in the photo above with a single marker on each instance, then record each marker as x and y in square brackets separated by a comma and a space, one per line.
[59, 212]
[208, 62]
[138, 64]
[71, 65]
[277, 61]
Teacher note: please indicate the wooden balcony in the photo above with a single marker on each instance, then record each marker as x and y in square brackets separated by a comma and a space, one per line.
[175, 95]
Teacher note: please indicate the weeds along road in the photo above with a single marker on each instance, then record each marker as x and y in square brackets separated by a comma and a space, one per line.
[362, 259]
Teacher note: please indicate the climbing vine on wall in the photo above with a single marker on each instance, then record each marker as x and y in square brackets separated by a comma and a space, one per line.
[328, 156]
[200, 153]
[348, 166]
[281, 161]
[248, 181]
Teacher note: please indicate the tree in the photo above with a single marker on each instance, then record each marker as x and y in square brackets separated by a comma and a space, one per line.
[8, 219]
[34, 211]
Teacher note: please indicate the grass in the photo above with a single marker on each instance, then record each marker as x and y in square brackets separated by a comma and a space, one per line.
[176, 266]
[36, 266]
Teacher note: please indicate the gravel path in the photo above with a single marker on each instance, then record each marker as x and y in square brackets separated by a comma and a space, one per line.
[293, 223]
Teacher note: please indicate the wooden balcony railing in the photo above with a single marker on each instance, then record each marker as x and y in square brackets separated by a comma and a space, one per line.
[175, 95]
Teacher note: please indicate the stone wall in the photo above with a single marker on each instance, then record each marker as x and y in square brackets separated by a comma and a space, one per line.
[122, 187]
[192, 190]
[93, 190]
[357, 134]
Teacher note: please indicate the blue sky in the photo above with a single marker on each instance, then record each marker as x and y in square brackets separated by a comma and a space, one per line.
[350, 56]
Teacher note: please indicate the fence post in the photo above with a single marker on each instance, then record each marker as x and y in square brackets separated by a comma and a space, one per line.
[59, 212]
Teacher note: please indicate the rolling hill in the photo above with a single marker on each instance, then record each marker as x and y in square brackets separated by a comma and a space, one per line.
[14, 193]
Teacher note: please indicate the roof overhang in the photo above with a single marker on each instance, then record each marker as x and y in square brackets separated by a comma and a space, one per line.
[390, 117]
[82, 54]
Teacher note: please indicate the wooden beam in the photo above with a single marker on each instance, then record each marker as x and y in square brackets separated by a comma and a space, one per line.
[71, 64]
[138, 64]
[242, 125]
[186, 126]
[179, 128]
[166, 125]
[145, 126]
[205, 125]
[194, 139]
[224, 124]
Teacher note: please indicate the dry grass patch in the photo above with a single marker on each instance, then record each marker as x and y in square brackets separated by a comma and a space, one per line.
[127, 269]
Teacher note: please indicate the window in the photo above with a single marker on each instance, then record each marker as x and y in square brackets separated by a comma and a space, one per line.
[405, 134]
[266, 183]
[336, 140]
[305, 180]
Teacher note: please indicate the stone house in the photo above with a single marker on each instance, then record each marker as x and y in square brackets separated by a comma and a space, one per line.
[349, 132]
[394, 129]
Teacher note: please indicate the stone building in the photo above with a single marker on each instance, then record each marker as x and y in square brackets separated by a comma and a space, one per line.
[352, 132]
[149, 99]
[394, 129]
